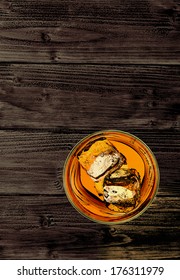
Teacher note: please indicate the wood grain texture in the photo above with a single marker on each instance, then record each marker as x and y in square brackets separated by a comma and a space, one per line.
[89, 96]
[141, 31]
[32, 162]
[67, 69]
[49, 229]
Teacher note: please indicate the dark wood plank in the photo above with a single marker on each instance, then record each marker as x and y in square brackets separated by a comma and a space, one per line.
[91, 243]
[41, 225]
[89, 96]
[32, 162]
[67, 69]
[141, 31]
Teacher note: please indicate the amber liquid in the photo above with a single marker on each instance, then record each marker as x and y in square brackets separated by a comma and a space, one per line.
[80, 187]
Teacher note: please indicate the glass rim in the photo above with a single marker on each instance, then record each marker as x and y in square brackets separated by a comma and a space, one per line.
[156, 183]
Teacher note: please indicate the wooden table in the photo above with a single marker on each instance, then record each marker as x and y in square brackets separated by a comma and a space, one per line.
[67, 69]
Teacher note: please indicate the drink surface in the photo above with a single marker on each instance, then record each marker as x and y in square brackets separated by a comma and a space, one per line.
[80, 188]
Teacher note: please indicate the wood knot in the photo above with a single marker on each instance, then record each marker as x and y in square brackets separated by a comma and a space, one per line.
[54, 57]
[113, 231]
[45, 37]
[152, 104]
[17, 80]
[153, 123]
[46, 221]
[58, 182]
[58, 185]
[172, 13]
